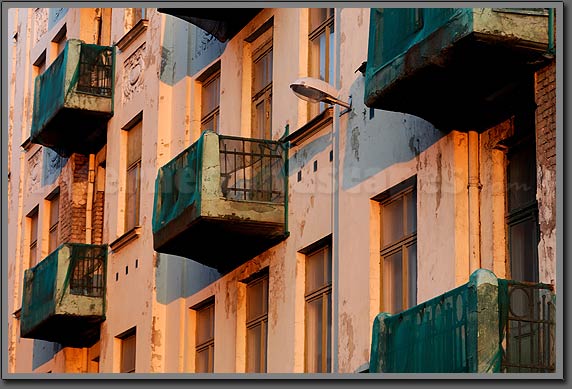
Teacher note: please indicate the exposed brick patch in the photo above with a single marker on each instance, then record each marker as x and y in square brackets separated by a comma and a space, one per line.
[545, 97]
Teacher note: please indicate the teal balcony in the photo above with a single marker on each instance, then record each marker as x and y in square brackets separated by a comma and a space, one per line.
[64, 296]
[221, 201]
[458, 68]
[488, 325]
[73, 99]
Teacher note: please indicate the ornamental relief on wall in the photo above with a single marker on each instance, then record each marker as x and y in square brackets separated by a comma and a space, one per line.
[133, 69]
[34, 172]
[40, 23]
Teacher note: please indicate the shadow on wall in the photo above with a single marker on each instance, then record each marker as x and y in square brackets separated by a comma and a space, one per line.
[186, 50]
[376, 139]
[179, 277]
[44, 352]
[306, 153]
[52, 166]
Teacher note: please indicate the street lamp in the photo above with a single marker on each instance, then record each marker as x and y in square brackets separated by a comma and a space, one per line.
[317, 91]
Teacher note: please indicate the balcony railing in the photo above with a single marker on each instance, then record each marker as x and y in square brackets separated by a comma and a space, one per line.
[64, 296]
[225, 187]
[458, 68]
[486, 325]
[73, 99]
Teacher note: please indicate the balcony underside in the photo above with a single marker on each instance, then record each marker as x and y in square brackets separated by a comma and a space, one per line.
[222, 242]
[470, 84]
[75, 131]
[68, 330]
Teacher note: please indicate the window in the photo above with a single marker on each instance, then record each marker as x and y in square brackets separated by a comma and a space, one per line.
[256, 325]
[204, 357]
[321, 54]
[40, 64]
[318, 296]
[522, 208]
[33, 223]
[128, 351]
[54, 240]
[133, 178]
[59, 43]
[210, 98]
[399, 248]
[262, 86]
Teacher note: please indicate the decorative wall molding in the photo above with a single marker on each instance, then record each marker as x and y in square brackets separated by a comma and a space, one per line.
[34, 171]
[40, 23]
[133, 69]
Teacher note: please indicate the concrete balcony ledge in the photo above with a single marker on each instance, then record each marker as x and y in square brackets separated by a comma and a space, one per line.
[73, 99]
[221, 189]
[64, 296]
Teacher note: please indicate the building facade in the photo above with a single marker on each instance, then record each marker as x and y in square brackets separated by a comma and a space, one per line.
[175, 208]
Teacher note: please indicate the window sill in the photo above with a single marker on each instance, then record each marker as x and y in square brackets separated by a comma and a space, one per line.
[314, 125]
[124, 239]
[26, 144]
[132, 34]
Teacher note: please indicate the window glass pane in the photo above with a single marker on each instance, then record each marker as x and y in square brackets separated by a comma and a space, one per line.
[33, 254]
[259, 130]
[522, 176]
[132, 198]
[54, 210]
[205, 324]
[523, 246]
[34, 228]
[253, 340]
[53, 240]
[256, 295]
[134, 144]
[317, 17]
[202, 361]
[330, 70]
[411, 204]
[314, 336]
[328, 334]
[392, 221]
[315, 271]
[128, 354]
[208, 124]
[392, 283]
[262, 72]
[412, 276]
[210, 96]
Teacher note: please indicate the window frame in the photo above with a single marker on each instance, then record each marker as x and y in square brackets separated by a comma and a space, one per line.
[134, 166]
[208, 344]
[525, 212]
[400, 245]
[53, 226]
[127, 336]
[260, 320]
[213, 114]
[33, 245]
[264, 94]
[323, 293]
[325, 27]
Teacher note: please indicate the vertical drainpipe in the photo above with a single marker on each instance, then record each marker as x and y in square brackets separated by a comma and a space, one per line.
[551, 31]
[335, 199]
[89, 205]
[474, 188]
[98, 13]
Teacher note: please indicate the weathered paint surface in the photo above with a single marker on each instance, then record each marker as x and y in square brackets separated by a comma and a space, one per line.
[376, 150]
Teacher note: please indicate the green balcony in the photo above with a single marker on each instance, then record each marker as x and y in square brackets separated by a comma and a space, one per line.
[73, 99]
[64, 296]
[458, 68]
[488, 325]
[221, 201]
